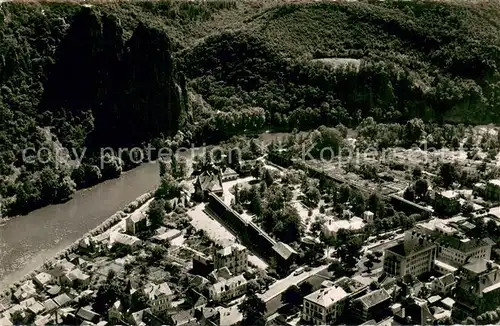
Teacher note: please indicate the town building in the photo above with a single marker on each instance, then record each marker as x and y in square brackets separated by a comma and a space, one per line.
[434, 246]
[137, 221]
[492, 191]
[284, 255]
[42, 279]
[444, 284]
[75, 277]
[409, 258]
[373, 305]
[477, 290]
[208, 182]
[226, 290]
[324, 306]
[368, 217]
[229, 174]
[332, 226]
[125, 239]
[160, 296]
[234, 257]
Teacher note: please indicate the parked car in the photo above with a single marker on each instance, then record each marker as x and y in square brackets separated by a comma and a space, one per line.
[299, 271]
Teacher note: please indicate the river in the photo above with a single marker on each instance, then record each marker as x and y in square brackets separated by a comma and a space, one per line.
[26, 242]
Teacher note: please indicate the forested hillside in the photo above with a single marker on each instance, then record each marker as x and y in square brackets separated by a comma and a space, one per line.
[125, 74]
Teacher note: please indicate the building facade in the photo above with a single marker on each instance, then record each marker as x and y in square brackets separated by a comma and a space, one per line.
[226, 290]
[477, 290]
[234, 257]
[325, 306]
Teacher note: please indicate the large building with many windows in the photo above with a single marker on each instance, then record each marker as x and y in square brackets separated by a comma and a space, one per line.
[434, 245]
[325, 306]
[477, 290]
[234, 257]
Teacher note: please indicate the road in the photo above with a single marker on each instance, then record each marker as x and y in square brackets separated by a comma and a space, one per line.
[283, 284]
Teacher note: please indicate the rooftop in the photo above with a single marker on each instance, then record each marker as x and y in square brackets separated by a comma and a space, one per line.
[327, 297]
[495, 182]
[284, 250]
[227, 251]
[155, 291]
[373, 298]
[355, 223]
[124, 239]
[478, 266]
[405, 250]
[223, 285]
[209, 181]
[450, 194]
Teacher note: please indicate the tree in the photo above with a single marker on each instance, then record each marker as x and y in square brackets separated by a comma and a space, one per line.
[257, 171]
[111, 166]
[378, 254]
[350, 251]
[421, 188]
[138, 301]
[156, 213]
[409, 194]
[313, 196]
[268, 178]
[169, 188]
[163, 167]
[305, 288]
[448, 173]
[468, 208]
[314, 253]
[253, 310]
[413, 131]
[292, 296]
[368, 264]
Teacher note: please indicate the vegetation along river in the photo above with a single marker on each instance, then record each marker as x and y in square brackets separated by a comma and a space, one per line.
[26, 242]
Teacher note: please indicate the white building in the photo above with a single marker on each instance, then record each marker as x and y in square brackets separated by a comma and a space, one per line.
[368, 217]
[332, 226]
[160, 296]
[234, 257]
[228, 289]
[324, 306]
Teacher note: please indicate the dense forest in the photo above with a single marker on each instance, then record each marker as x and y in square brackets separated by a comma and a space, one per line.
[167, 73]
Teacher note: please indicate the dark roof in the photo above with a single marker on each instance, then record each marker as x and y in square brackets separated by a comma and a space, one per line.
[405, 250]
[284, 250]
[464, 246]
[54, 290]
[209, 181]
[62, 299]
[182, 317]
[87, 314]
[447, 279]
[373, 298]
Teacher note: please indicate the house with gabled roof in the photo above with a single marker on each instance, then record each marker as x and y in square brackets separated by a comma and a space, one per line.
[325, 306]
[372, 305]
[160, 296]
[208, 182]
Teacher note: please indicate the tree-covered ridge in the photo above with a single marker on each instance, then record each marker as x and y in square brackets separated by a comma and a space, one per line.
[127, 73]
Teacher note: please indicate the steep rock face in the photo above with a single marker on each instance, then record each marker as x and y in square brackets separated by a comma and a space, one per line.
[129, 87]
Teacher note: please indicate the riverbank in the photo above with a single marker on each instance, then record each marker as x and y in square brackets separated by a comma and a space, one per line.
[101, 228]
[28, 241]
